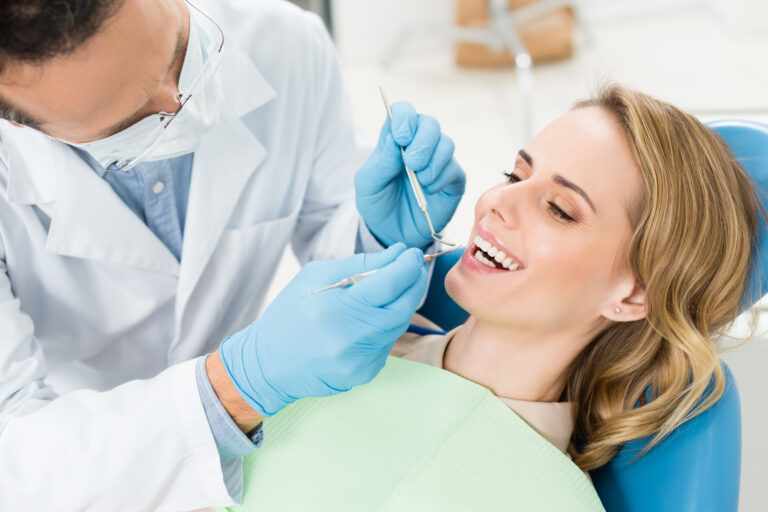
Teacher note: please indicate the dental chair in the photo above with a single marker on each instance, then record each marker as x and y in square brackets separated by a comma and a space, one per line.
[697, 467]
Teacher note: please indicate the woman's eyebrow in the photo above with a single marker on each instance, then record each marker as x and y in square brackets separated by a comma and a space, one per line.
[560, 180]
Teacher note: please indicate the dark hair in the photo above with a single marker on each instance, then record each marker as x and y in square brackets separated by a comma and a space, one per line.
[33, 31]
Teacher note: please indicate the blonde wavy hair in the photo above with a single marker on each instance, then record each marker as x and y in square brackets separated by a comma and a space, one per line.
[691, 249]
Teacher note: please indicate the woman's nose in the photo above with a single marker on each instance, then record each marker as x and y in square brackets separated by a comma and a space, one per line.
[499, 215]
[503, 204]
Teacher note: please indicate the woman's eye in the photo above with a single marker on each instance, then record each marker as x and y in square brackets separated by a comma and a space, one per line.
[560, 213]
[556, 210]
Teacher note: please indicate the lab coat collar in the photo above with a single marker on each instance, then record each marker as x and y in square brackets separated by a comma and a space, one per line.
[236, 71]
[224, 163]
[83, 208]
[89, 220]
[227, 158]
[29, 156]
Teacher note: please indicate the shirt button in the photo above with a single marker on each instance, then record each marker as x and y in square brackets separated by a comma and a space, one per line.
[158, 187]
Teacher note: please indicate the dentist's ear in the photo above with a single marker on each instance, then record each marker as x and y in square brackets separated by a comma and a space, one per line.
[631, 307]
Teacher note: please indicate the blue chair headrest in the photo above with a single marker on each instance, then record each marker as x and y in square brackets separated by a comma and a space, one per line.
[749, 142]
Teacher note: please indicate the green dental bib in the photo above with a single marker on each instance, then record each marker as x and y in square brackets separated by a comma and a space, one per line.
[414, 438]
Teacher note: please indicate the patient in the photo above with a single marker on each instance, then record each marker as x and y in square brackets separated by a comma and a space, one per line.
[608, 261]
[614, 252]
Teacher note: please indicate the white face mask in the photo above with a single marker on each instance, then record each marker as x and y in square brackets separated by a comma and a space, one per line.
[196, 118]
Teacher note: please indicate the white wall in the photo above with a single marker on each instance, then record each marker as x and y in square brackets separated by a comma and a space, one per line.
[742, 17]
[365, 30]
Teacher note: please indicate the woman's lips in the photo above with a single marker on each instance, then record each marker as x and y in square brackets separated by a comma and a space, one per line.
[490, 237]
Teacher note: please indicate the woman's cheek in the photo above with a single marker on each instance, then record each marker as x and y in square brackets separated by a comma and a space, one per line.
[557, 255]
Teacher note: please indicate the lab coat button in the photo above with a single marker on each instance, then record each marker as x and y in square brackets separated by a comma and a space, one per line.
[158, 187]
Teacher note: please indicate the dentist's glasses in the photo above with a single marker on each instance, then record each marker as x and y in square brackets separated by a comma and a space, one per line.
[213, 53]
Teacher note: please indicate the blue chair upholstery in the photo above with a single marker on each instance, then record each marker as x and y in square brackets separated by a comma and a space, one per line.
[698, 466]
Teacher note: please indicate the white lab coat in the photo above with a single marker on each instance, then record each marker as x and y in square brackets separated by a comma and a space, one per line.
[100, 326]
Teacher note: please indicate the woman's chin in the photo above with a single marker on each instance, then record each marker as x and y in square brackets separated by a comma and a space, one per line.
[458, 288]
[470, 290]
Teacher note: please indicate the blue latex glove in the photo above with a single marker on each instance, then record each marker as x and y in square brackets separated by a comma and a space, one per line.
[329, 342]
[383, 194]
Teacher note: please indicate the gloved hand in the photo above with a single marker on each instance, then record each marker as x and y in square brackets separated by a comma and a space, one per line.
[383, 194]
[329, 342]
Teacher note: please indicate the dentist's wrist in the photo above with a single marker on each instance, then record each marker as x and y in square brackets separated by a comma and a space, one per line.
[241, 413]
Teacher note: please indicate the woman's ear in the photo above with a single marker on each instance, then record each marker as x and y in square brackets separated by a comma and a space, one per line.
[630, 308]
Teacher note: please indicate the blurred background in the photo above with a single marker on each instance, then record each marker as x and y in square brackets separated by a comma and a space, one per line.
[705, 56]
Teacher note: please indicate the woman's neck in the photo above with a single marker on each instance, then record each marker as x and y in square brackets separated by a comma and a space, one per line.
[512, 364]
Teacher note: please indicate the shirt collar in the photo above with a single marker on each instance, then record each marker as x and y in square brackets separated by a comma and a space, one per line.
[96, 166]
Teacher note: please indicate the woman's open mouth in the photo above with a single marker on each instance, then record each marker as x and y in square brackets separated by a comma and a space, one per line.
[483, 255]
[491, 256]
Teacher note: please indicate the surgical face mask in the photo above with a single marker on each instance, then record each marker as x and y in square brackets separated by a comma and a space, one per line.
[161, 136]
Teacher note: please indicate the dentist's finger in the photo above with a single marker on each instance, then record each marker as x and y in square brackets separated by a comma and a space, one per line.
[452, 180]
[384, 165]
[408, 301]
[405, 122]
[441, 156]
[419, 152]
[396, 315]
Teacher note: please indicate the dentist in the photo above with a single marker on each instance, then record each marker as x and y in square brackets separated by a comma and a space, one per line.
[158, 156]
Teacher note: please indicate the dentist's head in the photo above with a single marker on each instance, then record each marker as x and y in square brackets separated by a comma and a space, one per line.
[110, 75]
[83, 70]
[632, 225]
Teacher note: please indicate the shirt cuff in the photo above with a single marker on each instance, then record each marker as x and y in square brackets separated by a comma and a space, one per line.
[231, 442]
[365, 241]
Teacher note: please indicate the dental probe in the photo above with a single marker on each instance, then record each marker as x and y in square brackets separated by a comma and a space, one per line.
[415, 185]
[347, 281]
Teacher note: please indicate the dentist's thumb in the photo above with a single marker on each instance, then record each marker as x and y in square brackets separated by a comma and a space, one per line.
[384, 165]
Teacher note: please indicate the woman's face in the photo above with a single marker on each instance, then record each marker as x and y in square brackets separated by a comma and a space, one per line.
[571, 270]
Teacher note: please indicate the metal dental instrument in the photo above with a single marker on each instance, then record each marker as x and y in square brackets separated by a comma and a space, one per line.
[415, 185]
[347, 281]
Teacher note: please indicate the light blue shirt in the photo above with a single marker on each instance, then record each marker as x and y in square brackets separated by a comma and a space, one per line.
[157, 192]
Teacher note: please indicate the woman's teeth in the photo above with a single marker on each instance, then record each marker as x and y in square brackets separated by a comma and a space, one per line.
[486, 251]
[482, 259]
